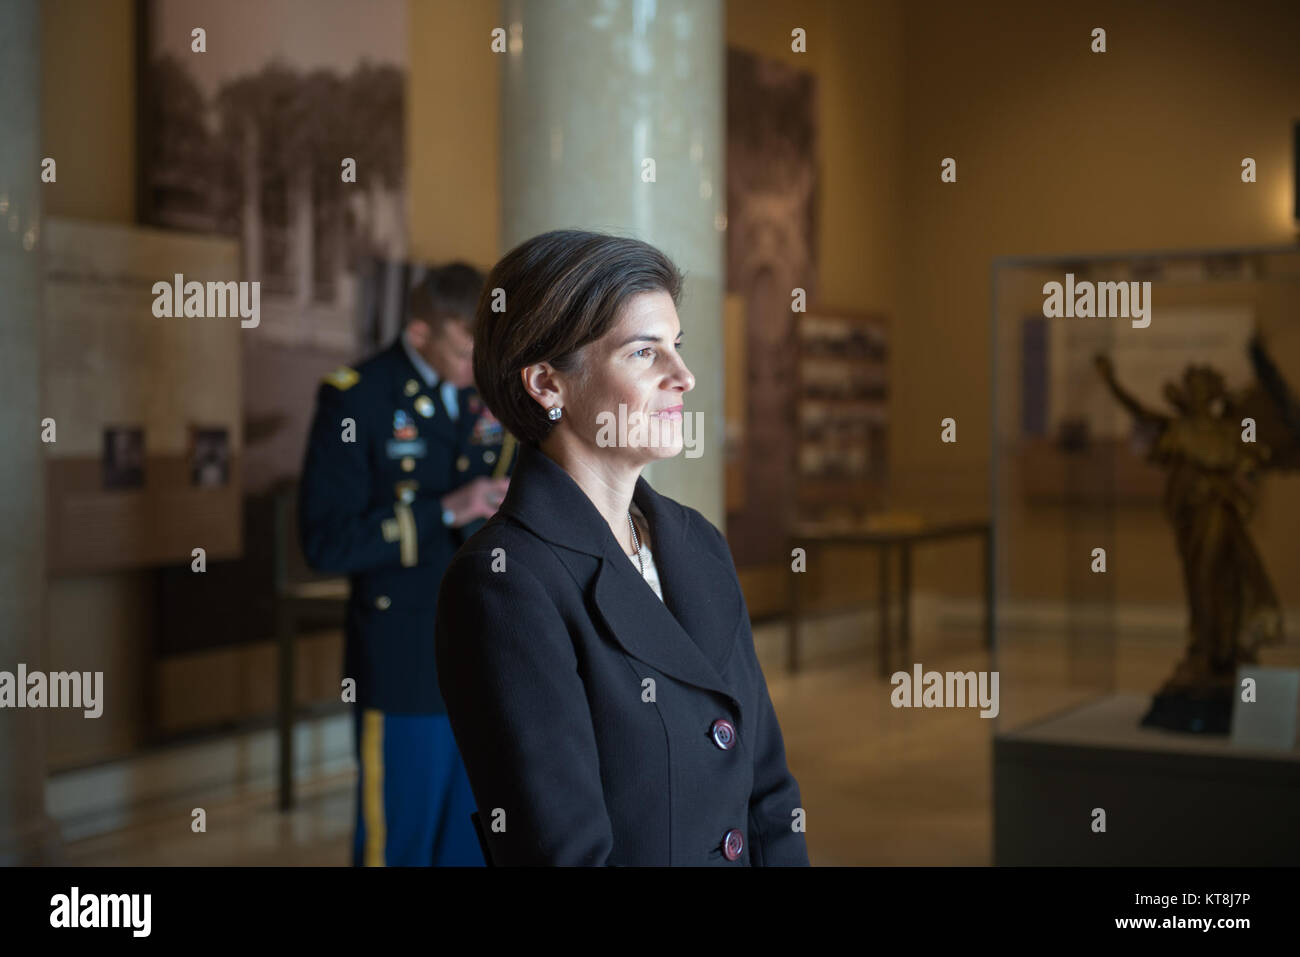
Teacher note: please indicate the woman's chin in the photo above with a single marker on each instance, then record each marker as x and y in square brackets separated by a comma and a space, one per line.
[646, 454]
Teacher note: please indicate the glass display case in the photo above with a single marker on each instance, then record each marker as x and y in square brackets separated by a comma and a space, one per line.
[1144, 532]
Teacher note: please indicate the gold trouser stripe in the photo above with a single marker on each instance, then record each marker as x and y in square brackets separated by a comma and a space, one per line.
[372, 796]
[406, 529]
[507, 451]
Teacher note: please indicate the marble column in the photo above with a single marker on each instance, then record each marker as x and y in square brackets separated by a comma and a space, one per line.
[591, 90]
[25, 833]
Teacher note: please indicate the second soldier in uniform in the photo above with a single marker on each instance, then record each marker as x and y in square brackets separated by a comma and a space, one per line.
[403, 462]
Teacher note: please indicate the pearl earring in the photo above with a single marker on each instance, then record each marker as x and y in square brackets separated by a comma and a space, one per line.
[554, 413]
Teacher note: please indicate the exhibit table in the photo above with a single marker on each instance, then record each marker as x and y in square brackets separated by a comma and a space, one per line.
[885, 537]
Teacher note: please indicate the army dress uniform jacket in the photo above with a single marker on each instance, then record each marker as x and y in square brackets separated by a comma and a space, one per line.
[598, 724]
[369, 509]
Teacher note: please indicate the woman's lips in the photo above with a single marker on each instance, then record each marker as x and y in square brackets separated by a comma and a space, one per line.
[672, 412]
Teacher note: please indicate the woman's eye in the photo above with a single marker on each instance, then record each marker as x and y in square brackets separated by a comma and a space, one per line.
[640, 352]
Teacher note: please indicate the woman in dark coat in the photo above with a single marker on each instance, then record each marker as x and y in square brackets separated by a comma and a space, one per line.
[594, 648]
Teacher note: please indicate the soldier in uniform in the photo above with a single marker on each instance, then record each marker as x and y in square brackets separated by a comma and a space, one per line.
[403, 462]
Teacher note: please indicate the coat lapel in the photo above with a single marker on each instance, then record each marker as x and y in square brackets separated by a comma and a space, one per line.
[691, 634]
[700, 591]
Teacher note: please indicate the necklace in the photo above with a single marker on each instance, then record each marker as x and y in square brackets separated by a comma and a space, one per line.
[636, 543]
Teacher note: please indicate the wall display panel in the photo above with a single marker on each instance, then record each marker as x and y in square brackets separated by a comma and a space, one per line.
[144, 462]
[771, 235]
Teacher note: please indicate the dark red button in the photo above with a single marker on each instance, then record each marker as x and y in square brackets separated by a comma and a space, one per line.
[724, 734]
[733, 844]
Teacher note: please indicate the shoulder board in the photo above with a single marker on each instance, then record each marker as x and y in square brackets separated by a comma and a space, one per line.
[343, 378]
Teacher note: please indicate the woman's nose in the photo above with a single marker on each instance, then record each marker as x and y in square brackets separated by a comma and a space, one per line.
[684, 376]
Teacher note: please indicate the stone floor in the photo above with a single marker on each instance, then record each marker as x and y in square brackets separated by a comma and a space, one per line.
[882, 786]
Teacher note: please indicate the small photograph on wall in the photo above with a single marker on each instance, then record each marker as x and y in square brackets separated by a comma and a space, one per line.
[209, 457]
[123, 457]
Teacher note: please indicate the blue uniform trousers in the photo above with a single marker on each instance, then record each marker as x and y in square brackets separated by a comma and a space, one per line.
[413, 795]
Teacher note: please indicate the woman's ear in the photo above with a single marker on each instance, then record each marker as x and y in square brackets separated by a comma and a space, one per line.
[541, 382]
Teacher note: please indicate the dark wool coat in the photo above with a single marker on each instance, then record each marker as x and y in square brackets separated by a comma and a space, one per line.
[598, 724]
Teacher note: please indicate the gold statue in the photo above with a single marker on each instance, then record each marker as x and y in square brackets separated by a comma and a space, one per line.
[1210, 495]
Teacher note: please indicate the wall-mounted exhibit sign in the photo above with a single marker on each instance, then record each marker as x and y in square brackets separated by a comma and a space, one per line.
[143, 466]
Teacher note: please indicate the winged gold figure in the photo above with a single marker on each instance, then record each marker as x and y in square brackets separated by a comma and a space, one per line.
[1211, 493]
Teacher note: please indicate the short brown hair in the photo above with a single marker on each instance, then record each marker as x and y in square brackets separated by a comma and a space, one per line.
[562, 290]
[449, 292]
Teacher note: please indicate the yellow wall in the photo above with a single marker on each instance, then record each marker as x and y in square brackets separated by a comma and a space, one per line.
[854, 48]
[1062, 150]
[88, 107]
[95, 622]
[453, 132]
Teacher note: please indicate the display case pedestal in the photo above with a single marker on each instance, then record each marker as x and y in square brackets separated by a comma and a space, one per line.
[1170, 798]
[1203, 712]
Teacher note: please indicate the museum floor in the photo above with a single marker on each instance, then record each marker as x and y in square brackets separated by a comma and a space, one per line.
[883, 786]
